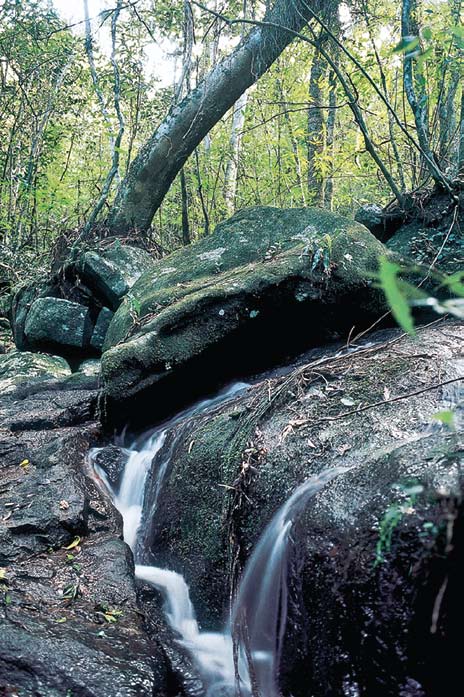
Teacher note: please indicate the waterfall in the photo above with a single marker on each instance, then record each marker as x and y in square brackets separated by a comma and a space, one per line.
[260, 610]
[258, 617]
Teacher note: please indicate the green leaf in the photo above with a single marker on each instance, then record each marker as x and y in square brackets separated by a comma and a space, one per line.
[427, 33]
[407, 44]
[455, 283]
[389, 281]
[446, 417]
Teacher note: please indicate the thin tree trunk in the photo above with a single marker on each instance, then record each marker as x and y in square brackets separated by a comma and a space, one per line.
[315, 138]
[415, 91]
[204, 207]
[330, 140]
[185, 203]
[446, 114]
[116, 142]
[161, 158]
[231, 173]
[461, 140]
[359, 118]
[293, 142]
[391, 120]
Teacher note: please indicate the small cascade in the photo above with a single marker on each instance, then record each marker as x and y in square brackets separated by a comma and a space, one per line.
[258, 618]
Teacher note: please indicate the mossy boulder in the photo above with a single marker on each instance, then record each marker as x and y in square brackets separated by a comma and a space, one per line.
[374, 587]
[264, 279]
[70, 312]
[441, 245]
[55, 322]
[17, 367]
[111, 270]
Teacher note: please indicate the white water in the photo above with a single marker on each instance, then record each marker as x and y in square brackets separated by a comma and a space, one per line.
[259, 614]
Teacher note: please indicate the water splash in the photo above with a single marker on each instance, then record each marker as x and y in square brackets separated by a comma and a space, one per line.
[258, 618]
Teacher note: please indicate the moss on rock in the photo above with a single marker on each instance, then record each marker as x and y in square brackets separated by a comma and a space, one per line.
[262, 268]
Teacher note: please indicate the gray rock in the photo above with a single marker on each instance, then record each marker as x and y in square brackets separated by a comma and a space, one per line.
[91, 366]
[264, 279]
[370, 553]
[110, 272]
[421, 244]
[101, 327]
[58, 322]
[19, 310]
[371, 215]
[17, 367]
[112, 460]
[70, 619]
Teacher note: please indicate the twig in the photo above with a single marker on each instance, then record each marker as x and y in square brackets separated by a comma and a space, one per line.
[376, 404]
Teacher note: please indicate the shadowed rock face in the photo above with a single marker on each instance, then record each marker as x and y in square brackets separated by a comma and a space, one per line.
[375, 606]
[266, 282]
[70, 621]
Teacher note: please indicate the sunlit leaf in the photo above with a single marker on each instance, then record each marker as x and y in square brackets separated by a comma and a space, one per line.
[446, 417]
[388, 274]
[407, 44]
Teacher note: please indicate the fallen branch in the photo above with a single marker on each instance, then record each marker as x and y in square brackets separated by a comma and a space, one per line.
[353, 412]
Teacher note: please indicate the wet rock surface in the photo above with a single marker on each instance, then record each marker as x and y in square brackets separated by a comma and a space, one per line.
[375, 606]
[70, 620]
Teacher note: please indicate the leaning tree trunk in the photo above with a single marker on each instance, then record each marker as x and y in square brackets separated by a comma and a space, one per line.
[161, 158]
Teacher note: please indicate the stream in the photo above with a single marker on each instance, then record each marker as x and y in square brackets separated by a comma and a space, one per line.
[258, 617]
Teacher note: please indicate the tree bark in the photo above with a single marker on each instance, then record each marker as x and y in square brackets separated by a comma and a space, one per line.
[185, 202]
[415, 92]
[231, 173]
[315, 139]
[161, 158]
[461, 140]
[330, 140]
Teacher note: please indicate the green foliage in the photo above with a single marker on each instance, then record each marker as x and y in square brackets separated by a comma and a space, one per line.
[446, 417]
[54, 142]
[402, 295]
[390, 284]
[393, 516]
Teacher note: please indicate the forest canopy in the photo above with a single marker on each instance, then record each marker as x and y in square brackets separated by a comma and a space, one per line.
[363, 105]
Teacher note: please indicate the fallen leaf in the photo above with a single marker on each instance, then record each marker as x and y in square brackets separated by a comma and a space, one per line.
[347, 402]
[386, 393]
[64, 505]
[74, 543]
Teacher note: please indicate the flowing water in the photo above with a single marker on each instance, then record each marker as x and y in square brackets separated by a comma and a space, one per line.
[258, 617]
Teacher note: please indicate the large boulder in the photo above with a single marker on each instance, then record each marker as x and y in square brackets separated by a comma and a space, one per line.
[438, 245]
[111, 271]
[54, 322]
[375, 600]
[17, 367]
[265, 280]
